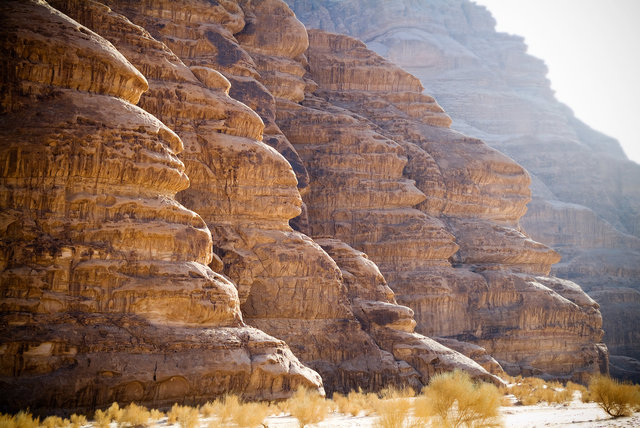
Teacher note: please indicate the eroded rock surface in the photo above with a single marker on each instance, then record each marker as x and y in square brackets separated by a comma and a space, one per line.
[586, 194]
[450, 246]
[106, 292]
[246, 191]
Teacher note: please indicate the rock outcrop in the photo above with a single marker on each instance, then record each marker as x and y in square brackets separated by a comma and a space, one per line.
[586, 194]
[106, 292]
[245, 190]
[450, 248]
[148, 252]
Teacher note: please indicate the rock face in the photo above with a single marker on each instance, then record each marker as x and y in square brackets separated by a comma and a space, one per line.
[106, 292]
[450, 248]
[245, 190]
[586, 194]
[137, 241]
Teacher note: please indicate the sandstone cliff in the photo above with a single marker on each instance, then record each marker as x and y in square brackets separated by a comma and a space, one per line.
[458, 258]
[106, 293]
[108, 278]
[586, 194]
[245, 191]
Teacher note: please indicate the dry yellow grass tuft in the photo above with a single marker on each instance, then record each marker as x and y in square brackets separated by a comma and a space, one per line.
[78, 420]
[209, 409]
[156, 414]
[394, 392]
[308, 407]
[355, 403]
[616, 398]
[101, 419]
[114, 412]
[185, 416]
[250, 414]
[20, 420]
[454, 400]
[393, 413]
[530, 391]
[55, 422]
[134, 415]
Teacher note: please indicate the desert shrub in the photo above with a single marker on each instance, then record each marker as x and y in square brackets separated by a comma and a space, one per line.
[185, 416]
[530, 391]
[20, 420]
[156, 414]
[308, 407]
[78, 420]
[392, 392]
[227, 407]
[55, 422]
[114, 412]
[615, 398]
[455, 400]
[134, 415]
[355, 402]
[209, 409]
[250, 414]
[392, 413]
[101, 419]
[26, 420]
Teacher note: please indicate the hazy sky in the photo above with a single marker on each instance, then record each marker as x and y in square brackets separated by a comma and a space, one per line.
[592, 49]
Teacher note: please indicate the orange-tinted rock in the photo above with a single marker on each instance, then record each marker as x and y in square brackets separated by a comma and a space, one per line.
[392, 325]
[246, 192]
[586, 193]
[106, 293]
[460, 262]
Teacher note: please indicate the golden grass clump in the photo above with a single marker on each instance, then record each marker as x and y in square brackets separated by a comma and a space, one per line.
[114, 412]
[55, 422]
[102, 419]
[250, 414]
[226, 407]
[78, 420]
[530, 391]
[156, 414]
[453, 400]
[392, 392]
[616, 398]
[209, 409]
[185, 416]
[355, 402]
[20, 420]
[392, 412]
[134, 415]
[308, 407]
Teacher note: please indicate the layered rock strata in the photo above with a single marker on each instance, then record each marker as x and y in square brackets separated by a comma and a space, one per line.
[459, 260]
[247, 192]
[106, 292]
[392, 326]
[586, 199]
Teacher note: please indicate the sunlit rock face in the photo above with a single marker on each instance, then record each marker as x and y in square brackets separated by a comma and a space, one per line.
[106, 290]
[450, 245]
[246, 191]
[586, 194]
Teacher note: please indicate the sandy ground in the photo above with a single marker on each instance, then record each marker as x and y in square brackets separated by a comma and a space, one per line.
[577, 414]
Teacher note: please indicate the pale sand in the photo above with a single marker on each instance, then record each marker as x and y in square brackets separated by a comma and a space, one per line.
[578, 414]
